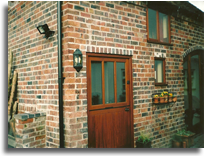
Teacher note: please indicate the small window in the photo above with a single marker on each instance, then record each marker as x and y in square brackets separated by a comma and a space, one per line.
[158, 27]
[160, 71]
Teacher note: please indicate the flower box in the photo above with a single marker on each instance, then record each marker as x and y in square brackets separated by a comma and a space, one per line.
[140, 144]
[170, 98]
[163, 98]
[176, 144]
[156, 99]
[174, 99]
[166, 98]
[188, 139]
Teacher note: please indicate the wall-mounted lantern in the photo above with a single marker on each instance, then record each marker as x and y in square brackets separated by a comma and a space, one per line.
[77, 60]
[44, 29]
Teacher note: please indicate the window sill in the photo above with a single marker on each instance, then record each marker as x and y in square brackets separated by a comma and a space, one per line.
[161, 84]
[157, 42]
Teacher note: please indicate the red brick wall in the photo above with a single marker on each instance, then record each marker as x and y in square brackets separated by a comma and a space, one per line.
[100, 27]
[36, 60]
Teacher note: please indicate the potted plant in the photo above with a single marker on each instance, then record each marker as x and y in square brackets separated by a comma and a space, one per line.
[156, 98]
[165, 96]
[177, 141]
[186, 136]
[170, 97]
[144, 141]
[174, 99]
[162, 99]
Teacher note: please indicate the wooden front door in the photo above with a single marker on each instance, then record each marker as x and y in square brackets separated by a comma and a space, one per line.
[109, 95]
[193, 68]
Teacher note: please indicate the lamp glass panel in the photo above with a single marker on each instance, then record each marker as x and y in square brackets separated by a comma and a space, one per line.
[76, 60]
[79, 59]
[41, 29]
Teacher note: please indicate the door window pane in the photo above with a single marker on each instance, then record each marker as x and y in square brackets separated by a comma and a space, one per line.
[152, 24]
[121, 87]
[96, 79]
[195, 91]
[185, 68]
[163, 27]
[159, 71]
[109, 82]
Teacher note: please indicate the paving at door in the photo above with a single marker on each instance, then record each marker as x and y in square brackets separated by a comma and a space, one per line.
[198, 141]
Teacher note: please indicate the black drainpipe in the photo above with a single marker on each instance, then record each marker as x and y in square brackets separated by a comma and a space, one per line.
[61, 119]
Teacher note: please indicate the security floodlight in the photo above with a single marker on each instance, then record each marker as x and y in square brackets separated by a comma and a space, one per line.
[44, 29]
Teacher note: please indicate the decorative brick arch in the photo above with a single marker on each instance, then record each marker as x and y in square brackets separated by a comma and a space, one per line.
[198, 47]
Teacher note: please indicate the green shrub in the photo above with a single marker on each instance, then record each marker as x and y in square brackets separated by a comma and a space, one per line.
[184, 132]
[144, 137]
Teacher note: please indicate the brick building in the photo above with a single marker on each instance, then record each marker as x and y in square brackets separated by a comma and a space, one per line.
[130, 50]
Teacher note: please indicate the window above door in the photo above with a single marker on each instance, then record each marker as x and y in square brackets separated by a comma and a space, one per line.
[158, 27]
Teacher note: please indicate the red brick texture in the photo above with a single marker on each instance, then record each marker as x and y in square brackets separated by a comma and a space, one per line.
[100, 27]
[30, 130]
[36, 60]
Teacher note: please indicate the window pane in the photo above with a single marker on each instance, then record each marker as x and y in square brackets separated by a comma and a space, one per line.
[163, 26]
[152, 24]
[195, 91]
[96, 71]
[186, 93]
[159, 71]
[121, 87]
[109, 82]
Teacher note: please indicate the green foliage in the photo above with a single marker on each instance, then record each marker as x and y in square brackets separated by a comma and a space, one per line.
[184, 132]
[177, 138]
[165, 93]
[161, 95]
[144, 137]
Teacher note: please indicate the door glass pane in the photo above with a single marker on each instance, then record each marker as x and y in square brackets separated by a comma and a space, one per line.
[152, 24]
[96, 79]
[195, 91]
[159, 71]
[121, 87]
[109, 82]
[163, 27]
[186, 93]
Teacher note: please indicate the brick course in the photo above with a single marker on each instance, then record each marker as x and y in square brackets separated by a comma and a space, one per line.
[100, 27]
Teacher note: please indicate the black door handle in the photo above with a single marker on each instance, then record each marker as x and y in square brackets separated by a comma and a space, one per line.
[126, 109]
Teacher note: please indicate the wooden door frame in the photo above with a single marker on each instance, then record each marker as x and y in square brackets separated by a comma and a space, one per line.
[200, 53]
[130, 87]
